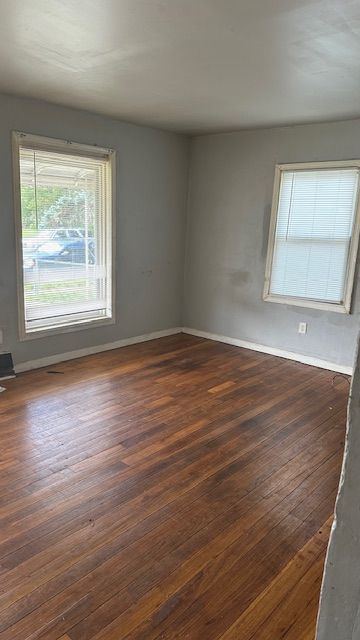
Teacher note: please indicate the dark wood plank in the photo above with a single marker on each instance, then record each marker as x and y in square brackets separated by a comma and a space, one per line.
[179, 488]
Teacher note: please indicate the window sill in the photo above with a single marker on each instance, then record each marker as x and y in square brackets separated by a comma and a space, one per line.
[309, 304]
[56, 330]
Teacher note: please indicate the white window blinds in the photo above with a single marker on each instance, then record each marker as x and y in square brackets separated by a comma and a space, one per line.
[66, 238]
[314, 226]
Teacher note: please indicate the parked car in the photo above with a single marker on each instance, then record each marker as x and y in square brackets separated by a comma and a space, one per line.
[43, 235]
[29, 262]
[60, 245]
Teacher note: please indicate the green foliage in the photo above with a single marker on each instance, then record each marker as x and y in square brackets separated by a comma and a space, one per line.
[64, 291]
[46, 197]
[56, 207]
[69, 211]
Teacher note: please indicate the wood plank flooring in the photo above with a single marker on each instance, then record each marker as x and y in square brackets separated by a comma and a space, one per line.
[177, 489]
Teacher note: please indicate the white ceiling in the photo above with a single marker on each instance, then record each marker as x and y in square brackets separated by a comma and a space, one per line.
[187, 65]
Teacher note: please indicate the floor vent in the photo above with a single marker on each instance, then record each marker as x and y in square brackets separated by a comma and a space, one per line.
[6, 366]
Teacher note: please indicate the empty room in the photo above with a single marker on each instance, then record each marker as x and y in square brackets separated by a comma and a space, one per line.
[179, 319]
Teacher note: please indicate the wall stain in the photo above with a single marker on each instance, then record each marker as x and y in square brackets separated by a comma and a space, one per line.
[239, 277]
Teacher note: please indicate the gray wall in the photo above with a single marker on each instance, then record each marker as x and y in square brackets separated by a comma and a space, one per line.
[152, 172]
[231, 181]
[230, 189]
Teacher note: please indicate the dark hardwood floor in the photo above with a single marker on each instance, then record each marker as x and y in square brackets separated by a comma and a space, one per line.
[178, 489]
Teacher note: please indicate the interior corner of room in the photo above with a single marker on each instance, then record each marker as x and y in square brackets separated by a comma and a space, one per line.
[184, 259]
[179, 320]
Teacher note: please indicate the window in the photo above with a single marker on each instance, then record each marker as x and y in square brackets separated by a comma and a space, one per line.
[64, 234]
[314, 234]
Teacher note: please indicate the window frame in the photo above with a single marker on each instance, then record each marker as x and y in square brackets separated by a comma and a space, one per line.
[56, 145]
[345, 306]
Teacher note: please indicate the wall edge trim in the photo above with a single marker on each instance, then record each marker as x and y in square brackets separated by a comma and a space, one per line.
[86, 351]
[124, 342]
[289, 355]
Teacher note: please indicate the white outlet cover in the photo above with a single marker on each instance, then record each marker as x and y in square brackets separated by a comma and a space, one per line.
[302, 327]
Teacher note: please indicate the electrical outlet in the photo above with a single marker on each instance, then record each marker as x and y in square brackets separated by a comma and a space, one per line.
[302, 327]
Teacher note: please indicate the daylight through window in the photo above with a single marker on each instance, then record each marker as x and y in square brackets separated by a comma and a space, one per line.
[65, 202]
[314, 236]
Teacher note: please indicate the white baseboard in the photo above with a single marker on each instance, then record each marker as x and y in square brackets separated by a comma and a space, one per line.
[79, 353]
[289, 355]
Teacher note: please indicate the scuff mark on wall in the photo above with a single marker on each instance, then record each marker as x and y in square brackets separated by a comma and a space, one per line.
[239, 277]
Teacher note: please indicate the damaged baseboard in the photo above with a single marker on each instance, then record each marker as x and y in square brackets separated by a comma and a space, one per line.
[289, 355]
[87, 351]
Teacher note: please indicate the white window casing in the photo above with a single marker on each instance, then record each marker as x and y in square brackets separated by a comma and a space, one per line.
[64, 196]
[314, 234]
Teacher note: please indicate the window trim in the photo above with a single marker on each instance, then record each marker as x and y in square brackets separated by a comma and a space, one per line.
[345, 306]
[72, 148]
